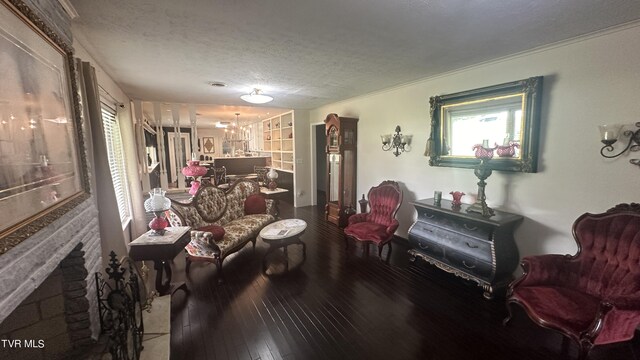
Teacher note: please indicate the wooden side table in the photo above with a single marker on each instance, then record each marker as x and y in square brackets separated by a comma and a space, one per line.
[161, 249]
[275, 194]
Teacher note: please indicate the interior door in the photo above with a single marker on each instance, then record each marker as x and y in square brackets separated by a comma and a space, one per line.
[176, 164]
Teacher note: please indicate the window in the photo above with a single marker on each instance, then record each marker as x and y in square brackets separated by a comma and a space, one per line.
[115, 152]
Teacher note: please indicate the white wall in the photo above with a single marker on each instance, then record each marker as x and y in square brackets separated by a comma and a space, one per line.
[302, 176]
[587, 82]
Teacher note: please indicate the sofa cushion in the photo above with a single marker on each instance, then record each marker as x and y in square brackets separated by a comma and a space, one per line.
[236, 196]
[238, 231]
[255, 204]
[564, 308]
[215, 230]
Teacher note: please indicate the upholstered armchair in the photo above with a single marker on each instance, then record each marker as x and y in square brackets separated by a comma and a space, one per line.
[379, 224]
[592, 297]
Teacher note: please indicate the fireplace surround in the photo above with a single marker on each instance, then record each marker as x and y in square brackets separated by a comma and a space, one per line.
[67, 252]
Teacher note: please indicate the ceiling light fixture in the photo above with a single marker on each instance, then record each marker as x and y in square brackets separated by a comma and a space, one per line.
[256, 97]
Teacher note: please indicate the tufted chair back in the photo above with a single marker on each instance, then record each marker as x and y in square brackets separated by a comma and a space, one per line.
[384, 201]
[592, 297]
[608, 260]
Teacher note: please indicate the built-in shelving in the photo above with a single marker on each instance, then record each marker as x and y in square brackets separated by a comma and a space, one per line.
[278, 139]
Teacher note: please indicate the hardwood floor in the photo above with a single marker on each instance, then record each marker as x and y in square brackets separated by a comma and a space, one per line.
[339, 304]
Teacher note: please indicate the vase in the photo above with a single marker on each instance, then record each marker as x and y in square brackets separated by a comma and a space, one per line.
[483, 152]
[363, 204]
[507, 150]
[457, 198]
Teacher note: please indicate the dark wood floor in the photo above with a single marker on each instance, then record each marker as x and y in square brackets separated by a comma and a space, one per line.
[338, 304]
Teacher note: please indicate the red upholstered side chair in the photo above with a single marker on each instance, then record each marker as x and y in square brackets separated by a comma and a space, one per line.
[379, 224]
[592, 297]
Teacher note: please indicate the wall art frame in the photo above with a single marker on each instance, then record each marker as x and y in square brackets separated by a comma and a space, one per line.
[208, 145]
[43, 165]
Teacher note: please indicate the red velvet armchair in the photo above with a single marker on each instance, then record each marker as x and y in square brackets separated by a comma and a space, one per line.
[592, 297]
[379, 224]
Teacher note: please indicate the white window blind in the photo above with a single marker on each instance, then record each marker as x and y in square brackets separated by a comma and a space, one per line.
[115, 152]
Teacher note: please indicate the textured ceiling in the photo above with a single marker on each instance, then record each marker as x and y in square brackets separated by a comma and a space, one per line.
[208, 115]
[310, 53]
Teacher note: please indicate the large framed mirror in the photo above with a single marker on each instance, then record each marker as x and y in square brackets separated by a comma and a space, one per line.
[505, 117]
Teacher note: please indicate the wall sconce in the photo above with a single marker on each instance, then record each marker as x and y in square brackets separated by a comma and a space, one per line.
[400, 143]
[610, 136]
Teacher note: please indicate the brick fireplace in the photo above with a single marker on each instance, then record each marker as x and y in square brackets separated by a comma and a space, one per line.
[48, 306]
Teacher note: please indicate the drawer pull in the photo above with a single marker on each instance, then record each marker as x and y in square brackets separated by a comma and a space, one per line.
[426, 229]
[428, 216]
[468, 266]
[471, 245]
[423, 246]
[472, 228]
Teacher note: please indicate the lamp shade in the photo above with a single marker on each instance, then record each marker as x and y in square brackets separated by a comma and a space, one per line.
[609, 133]
[157, 201]
[194, 169]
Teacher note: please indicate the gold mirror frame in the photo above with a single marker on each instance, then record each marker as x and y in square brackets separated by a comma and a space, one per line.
[530, 90]
[38, 220]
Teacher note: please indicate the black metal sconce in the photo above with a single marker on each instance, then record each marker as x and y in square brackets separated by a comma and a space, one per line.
[610, 136]
[398, 142]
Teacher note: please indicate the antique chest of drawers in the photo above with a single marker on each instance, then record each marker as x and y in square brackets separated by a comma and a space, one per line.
[465, 244]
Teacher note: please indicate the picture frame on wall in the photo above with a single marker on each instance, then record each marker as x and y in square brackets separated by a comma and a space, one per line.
[208, 145]
[43, 172]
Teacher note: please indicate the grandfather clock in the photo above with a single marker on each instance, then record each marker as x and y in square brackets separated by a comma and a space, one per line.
[341, 168]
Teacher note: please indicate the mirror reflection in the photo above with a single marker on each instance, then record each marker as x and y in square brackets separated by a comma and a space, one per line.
[504, 117]
[498, 120]
[236, 137]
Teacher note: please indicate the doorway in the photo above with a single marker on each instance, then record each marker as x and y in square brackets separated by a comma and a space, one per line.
[176, 164]
[321, 163]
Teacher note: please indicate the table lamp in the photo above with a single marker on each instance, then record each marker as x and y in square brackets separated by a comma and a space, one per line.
[157, 203]
[194, 170]
[272, 175]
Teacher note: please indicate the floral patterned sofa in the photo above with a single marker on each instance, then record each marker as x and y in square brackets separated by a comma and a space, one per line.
[223, 222]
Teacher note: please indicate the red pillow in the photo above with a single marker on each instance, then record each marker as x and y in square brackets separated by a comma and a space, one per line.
[217, 231]
[255, 204]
